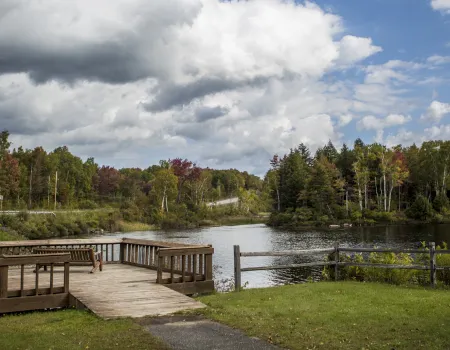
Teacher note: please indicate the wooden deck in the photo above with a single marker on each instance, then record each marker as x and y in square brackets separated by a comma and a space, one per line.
[118, 291]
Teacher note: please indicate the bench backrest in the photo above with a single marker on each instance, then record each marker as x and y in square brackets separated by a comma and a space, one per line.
[76, 254]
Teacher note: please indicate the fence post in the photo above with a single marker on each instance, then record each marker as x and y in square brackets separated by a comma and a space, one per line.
[237, 268]
[433, 264]
[336, 261]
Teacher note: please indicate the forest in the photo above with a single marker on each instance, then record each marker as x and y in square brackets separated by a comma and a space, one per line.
[366, 184]
[172, 193]
[363, 184]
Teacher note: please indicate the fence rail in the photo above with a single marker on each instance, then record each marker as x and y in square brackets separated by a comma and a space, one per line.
[431, 252]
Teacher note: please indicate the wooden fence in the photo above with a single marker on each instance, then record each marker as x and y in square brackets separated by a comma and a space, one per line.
[21, 297]
[336, 250]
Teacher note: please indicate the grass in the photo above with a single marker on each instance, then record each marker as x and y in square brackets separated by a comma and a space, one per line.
[125, 226]
[338, 315]
[72, 329]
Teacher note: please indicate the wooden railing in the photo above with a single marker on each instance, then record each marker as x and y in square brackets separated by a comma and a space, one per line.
[191, 263]
[109, 246]
[194, 264]
[165, 257]
[431, 252]
[24, 298]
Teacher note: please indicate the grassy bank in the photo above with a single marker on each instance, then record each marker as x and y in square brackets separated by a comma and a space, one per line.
[71, 329]
[345, 315]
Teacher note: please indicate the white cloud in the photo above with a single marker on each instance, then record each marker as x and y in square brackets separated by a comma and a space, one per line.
[438, 60]
[441, 5]
[345, 119]
[371, 122]
[436, 111]
[353, 49]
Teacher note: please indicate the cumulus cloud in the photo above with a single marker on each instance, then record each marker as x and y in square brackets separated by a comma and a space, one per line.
[438, 60]
[225, 82]
[436, 111]
[373, 123]
[345, 119]
[441, 5]
[353, 49]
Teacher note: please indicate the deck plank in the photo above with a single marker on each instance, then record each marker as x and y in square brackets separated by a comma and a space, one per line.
[117, 291]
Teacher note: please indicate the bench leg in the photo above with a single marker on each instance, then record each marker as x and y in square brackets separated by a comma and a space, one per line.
[94, 268]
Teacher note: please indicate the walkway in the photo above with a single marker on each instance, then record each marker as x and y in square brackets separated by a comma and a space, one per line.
[118, 291]
[196, 333]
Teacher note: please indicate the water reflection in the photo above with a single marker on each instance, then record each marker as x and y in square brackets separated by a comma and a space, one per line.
[263, 238]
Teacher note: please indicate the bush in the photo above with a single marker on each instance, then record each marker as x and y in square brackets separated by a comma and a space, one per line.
[421, 209]
[87, 204]
[441, 203]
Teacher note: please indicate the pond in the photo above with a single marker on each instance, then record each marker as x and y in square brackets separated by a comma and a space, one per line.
[264, 238]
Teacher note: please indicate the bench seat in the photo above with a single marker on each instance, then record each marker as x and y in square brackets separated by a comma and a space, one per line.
[78, 256]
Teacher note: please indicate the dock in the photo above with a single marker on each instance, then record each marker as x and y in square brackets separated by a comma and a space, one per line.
[139, 278]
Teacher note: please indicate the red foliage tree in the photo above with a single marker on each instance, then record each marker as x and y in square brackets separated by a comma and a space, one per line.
[185, 170]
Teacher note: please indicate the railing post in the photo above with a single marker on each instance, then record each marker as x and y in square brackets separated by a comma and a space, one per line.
[66, 276]
[208, 267]
[122, 252]
[237, 268]
[433, 264]
[336, 261]
[160, 263]
[3, 281]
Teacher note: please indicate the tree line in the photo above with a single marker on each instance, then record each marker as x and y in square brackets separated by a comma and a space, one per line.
[35, 178]
[369, 182]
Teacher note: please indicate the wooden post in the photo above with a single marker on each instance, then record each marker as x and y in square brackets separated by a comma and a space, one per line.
[336, 261]
[208, 267]
[160, 263]
[432, 264]
[237, 268]
[122, 252]
[3, 281]
[66, 277]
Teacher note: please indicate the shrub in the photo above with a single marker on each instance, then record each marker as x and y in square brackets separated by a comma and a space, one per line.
[87, 204]
[421, 209]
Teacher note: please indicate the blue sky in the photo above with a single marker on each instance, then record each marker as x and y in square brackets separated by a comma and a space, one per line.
[407, 30]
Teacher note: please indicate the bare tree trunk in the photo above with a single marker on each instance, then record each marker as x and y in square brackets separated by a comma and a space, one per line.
[365, 195]
[385, 197]
[278, 200]
[376, 191]
[167, 205]
[163, 197]
[390, 195]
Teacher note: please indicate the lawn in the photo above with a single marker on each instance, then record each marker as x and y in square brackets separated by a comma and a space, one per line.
[72, 329]
[338, 315]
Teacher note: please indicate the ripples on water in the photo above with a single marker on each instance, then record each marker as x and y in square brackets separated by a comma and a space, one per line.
[263, 238]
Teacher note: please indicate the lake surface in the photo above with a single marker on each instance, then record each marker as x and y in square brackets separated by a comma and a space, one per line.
[263, 238]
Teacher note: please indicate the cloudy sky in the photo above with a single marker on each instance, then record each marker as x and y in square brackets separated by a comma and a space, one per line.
[223, 83]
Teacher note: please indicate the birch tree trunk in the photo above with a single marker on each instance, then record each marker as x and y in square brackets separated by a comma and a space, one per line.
[390, 195]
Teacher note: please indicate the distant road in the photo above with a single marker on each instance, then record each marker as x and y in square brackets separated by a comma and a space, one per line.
[47, 212]
[228, 201]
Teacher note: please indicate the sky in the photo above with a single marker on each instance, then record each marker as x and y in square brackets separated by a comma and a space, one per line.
[226, 84]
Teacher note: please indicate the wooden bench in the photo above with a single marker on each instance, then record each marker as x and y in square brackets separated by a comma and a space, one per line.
[78, 256]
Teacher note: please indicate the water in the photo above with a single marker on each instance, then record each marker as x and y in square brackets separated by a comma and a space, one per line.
[263, 238]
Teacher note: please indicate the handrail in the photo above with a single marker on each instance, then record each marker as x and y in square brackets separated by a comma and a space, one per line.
[431, 251]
